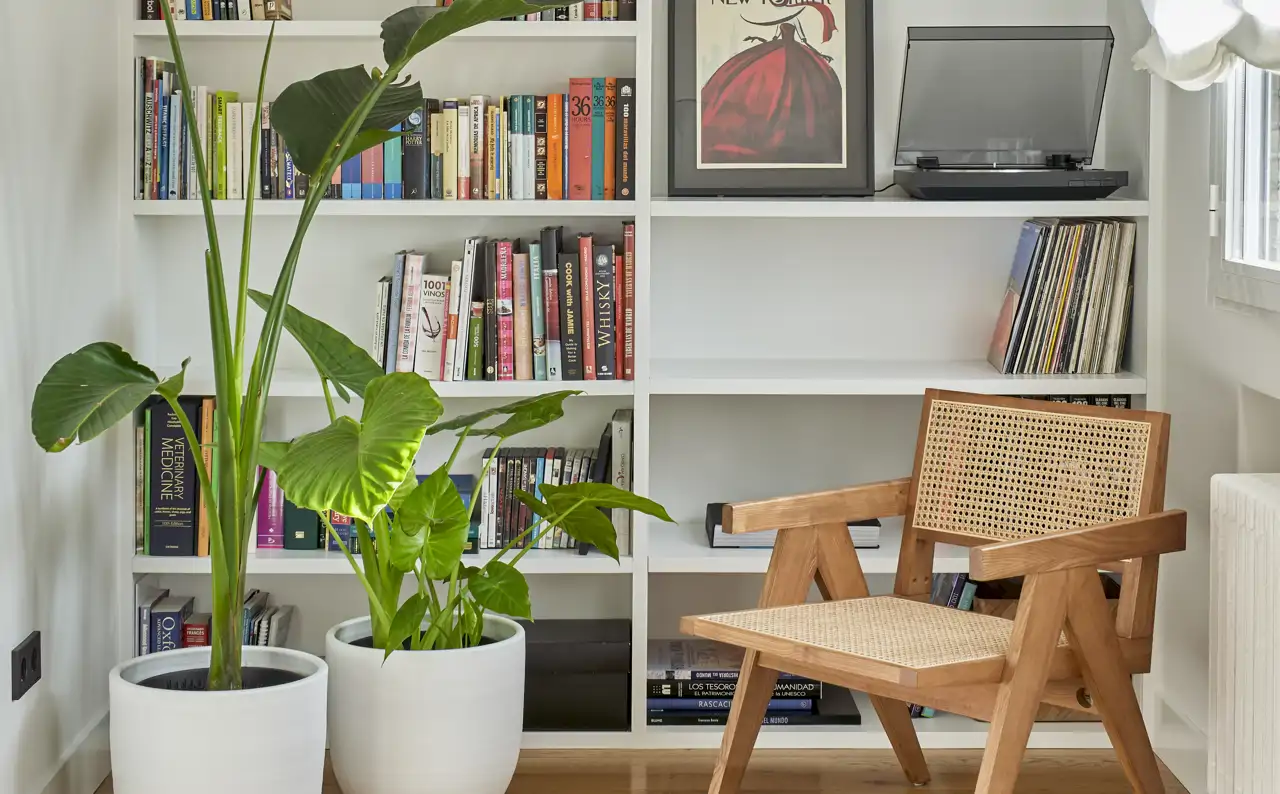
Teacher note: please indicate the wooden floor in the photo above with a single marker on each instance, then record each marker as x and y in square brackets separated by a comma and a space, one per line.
[802, 772]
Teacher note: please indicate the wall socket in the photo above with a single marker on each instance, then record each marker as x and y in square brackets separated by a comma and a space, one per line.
[24, 663]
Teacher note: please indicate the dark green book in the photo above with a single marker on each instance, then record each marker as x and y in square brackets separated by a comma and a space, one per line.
[475, 342]
[301, 528]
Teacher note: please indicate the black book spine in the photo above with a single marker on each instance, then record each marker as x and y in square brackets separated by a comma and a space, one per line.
[626, 11]
[562, 14]
[624, 172]
[491, 311]
[429, 107]
[570, 318]
[606, 333]
[151, 9]
[530, 486]
[508, 495]
[500, 499]
[540, 148]
[264, 155]
[175, 487]
[415, 156]
[301, 185]
[784, 690]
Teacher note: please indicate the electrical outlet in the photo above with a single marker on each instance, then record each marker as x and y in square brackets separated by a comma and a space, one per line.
[24, 663]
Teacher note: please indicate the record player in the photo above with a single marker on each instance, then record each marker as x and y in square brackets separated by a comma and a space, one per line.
[1004, 114]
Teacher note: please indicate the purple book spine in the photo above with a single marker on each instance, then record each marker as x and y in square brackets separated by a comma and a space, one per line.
[271, 514]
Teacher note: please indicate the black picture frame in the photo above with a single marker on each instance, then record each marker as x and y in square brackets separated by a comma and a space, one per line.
[685, 179]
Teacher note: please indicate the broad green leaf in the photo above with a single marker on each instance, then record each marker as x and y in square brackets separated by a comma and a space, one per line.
[407, 623]
[406, 546]
[406, 487]
[607, 496]
[544, 409]
[271, 454]
[436, 506]
[335, 356]
[539, 508]
[585, 524]
[171, 388]
[310, 114]
[85, 393]
[413, 30]
[473, 622]
[356, 467]
[501, 588]
[541, 412]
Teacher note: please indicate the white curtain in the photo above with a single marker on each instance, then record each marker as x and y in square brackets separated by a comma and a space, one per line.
[1197, 42]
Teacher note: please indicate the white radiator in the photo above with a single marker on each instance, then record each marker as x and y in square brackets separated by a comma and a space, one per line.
[1244, 639]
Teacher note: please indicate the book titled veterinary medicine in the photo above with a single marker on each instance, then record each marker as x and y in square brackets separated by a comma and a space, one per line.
[697, 660]
[174, 486]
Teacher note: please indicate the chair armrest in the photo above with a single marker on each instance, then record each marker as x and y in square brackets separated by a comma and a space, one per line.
[1143, 536]
[859, 503]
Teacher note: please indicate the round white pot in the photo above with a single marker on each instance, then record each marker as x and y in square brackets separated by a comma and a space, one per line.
[444, 722]
[253, 741]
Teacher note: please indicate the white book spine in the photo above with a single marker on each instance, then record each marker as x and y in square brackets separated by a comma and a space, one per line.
[409, 307]
[575, 12]
[467, 285]
[235, 143]
[378, 345]
[202, 127]
[462, 145]
[491, 509]
[248, 115]
[245, 7]
[517, 153]
[621, 425]
[451, 327]
[433, 325]
[179, 9]
[529, 162]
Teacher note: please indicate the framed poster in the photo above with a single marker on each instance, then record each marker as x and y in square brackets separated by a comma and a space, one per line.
[770, 98]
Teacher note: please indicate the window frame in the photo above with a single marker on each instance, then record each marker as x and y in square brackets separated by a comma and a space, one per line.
[1236, 282]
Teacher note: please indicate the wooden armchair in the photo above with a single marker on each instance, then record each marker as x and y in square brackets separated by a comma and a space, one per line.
[1049, 491]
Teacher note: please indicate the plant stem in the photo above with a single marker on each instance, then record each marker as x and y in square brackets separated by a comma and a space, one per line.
[379, 612]
[328, 399]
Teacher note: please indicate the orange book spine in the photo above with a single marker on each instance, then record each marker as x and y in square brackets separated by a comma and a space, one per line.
[579, 133]
[619, 311]
[610, 137]
[206, 456]
[586, 283]
[627, 289]
[555, 147]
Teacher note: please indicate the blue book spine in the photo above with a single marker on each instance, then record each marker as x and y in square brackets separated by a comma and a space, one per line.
[393, 313]
[351, 178]
[166, 625]
[565, 154]
[393, 167]
[537, 485]
[597, 139]
[177, 164]
[163, 190]
[194, 9]
[290, 176]
[723, 704]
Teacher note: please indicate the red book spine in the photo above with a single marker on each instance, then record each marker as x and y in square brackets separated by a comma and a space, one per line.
[448, 289]
[579, 132]
[195, 635]
[506, 318]
[627, 289]
[591, 9]
[618, 313]
[587, 280]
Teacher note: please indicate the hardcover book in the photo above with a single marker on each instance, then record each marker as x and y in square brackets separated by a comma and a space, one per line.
[476, 148]
[587, 291]
[168, 619]
[537, 309]
[433, 319]
[506, 310]
[490, 268]
[392, 167]
[475, 342]
[415, 157]
[270, 513]
[371, 162]
[610, 138]
[174, 482]
[541, 143]
[451, 325]
[625, 146]
[350, 178]
[448, 149]
[580, 138]
[301, 528]
[411, 283]
[783, 690]
[462, 147]
[207, 439]
[551, 303]
[195, 631]
[627, 302]
[597, 138]
[555, 147]
[605, 334]
[394, 305]
[523, 317]
[570, 317]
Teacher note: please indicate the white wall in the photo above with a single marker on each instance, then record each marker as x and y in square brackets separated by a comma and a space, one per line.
[58, 291]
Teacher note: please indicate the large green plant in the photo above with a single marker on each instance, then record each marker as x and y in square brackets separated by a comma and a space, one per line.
[366, 469]
[323, 121]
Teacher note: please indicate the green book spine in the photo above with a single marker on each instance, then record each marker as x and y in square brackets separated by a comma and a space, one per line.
[538, 309]
[597, 139]
[475, 343]
[146, 487]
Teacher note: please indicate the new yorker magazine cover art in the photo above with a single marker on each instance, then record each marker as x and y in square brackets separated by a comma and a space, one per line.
[772, 84]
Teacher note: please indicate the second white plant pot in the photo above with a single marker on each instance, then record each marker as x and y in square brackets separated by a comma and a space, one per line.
[445, 722]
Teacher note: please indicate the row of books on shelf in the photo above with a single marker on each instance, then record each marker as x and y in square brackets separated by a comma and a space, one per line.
[588, 11]
[168, 622]
[510, 310]
[219, 10]
[579, 146]
[1069, 298]
[1096, 400]
[692, 682]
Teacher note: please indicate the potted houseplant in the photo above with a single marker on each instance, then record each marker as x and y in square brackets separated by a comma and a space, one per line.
[398, 685]
[249, 693]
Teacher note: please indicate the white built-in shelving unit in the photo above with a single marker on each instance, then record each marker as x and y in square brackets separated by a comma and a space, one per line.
[782, 345]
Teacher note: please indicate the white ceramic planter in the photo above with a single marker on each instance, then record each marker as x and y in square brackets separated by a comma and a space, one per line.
[444, 722]
[257, 741]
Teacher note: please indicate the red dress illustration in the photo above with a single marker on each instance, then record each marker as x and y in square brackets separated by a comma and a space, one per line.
[777, 102]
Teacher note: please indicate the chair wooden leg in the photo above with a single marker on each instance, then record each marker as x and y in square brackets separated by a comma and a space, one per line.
[1092, 636]
[1035, 637]
[750, 701]
[840, 576]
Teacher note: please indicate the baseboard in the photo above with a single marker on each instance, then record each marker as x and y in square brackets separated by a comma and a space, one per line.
[1183, 747]
[86, 763]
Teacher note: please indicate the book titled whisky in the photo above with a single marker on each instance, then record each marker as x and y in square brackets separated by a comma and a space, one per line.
[605, 332]
[580, 123]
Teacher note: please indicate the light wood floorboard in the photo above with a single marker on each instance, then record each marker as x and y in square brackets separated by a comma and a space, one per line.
[803, 772]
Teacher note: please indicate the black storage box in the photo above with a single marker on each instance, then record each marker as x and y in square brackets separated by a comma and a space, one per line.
[577, 675]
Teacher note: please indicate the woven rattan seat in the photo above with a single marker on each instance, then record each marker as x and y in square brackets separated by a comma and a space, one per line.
[895, 631]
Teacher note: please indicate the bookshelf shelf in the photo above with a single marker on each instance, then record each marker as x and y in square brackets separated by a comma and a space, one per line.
[326, 563]
[893, 207]
[298, 383]
[363, 30]
[397, 209]
[799, 377]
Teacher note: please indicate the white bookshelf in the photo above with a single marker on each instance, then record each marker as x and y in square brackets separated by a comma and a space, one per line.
[782, 345]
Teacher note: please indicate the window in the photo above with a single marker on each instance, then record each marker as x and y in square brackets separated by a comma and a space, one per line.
[1252, 189]
[1248, 168]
